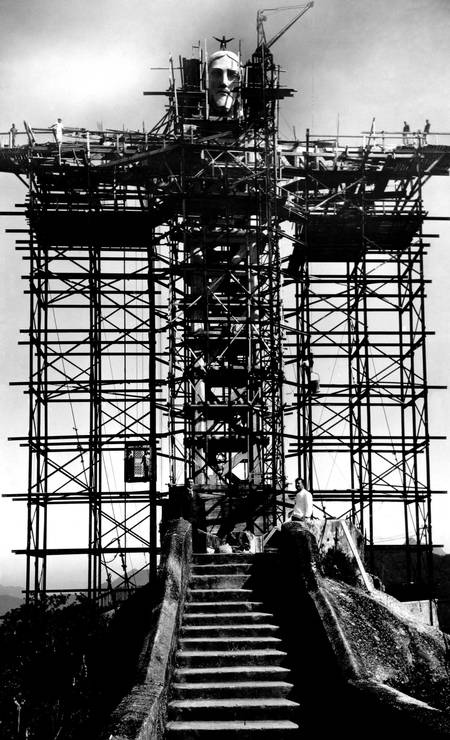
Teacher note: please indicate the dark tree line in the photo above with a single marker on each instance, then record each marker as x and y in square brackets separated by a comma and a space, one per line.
[63, 667]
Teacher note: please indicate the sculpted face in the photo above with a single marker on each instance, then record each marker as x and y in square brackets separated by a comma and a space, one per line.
[224, 75]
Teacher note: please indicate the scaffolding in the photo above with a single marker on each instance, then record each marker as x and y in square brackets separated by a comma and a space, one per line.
[154, 340]
[357, 316]
[209, 301]
[93, 386]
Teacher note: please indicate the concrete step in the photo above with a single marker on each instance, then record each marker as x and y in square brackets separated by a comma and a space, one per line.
[219, 581]
[254, 656]
[243, 730]
[220, 594]
[229, 643]
[245, 607]
[229, 630]
[231, 617]
[238, 673]
[218, 568]
[228, 689]
[230, 678]
[235, 708]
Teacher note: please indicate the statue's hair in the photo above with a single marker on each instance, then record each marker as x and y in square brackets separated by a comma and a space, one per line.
[224, 53]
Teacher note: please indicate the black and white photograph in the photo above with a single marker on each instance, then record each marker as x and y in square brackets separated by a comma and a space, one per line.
[225, 352]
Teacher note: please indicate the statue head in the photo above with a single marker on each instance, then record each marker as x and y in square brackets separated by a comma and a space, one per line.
[224, 72]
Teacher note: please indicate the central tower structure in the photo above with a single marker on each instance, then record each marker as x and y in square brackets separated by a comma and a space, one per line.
[226, 378]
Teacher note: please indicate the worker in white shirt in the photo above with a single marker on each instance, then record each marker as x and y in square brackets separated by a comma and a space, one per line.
[58, 131]
[303, 505]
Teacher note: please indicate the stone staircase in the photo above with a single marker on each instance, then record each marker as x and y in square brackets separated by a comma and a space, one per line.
[230, 678]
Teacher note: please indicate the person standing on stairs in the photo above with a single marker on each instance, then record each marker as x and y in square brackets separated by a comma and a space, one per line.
[192, 508]
[303, 505]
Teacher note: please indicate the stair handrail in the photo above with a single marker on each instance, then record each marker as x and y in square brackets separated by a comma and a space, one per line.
[354, 550]
[141, 715]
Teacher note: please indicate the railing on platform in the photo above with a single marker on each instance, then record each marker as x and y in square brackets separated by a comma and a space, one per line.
[383, 140]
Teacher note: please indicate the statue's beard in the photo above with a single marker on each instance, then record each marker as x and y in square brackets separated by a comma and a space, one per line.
[222, 102]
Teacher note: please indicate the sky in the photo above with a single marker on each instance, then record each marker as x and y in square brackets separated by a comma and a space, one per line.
[89, 62]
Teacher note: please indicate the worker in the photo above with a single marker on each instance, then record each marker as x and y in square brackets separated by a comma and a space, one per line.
[146, 464]
[58, 131]
[220, 462]
[426, 130]
[192, 508]
[406, 131]
[303, 505]
[129, 466]
[58, 134]
[12, 135]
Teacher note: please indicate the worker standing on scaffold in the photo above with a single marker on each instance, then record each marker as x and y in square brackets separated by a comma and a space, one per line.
[406, 131]
[12, 135]
[58, 134]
